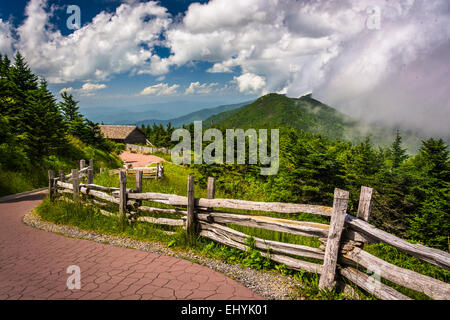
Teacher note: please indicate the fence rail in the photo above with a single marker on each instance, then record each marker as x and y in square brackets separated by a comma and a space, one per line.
[342, 240]
[156, 172]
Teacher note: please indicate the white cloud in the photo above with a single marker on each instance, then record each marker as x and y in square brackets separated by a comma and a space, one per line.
[91, 88]
[198, 88]
[6, 38]
[87, 89]
[110, 44]
[250, 83]
[160, 89]
[68, 90]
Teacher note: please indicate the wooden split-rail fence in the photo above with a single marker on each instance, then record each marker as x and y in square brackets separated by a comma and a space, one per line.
[156, 172]
[342, 240]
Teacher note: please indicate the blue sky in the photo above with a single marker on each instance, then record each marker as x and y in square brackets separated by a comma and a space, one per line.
[122, 89]
[384, 61]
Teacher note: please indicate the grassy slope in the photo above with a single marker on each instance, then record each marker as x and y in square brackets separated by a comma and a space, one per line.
[37, 177]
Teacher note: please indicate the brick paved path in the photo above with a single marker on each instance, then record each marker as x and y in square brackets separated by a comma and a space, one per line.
[33, 265]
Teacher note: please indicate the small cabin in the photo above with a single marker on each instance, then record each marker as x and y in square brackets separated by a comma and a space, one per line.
[124, 134]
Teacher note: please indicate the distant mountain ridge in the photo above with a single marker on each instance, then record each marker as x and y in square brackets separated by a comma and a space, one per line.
[199, 115]
[308, 114]
[154, 110]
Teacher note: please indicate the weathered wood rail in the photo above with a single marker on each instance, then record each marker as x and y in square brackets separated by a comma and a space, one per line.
[156, 172]
[342, 240]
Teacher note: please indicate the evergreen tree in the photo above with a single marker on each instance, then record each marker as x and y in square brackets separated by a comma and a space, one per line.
[18, 82]
[431, 224]
[398, 154]
[7, 103]
[45, 126]
[74, 121]
[435, 159]
[22, 76]
[69, 108]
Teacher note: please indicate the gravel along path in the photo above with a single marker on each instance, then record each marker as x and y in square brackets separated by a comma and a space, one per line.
[269, 285]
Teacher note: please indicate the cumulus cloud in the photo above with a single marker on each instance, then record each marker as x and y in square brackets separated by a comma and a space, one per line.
[112, 43]
[160, 89]
[91, 88]
[200, 88]
[68, 90]
[87, 89]
[250, 83]
[6, 38]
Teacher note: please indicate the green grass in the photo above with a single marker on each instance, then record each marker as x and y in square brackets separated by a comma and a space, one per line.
[15, 182]
[406, 261]
[90, 218]
[36, 175]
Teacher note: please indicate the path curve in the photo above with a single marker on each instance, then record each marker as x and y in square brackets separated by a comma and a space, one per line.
[139, 159]
[33, 265]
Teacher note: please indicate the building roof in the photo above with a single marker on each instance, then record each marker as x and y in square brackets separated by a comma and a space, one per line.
[117, 132]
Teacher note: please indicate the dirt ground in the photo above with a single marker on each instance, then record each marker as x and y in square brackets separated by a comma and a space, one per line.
[139, 160]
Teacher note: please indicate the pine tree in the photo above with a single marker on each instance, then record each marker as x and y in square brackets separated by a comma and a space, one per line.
[44, 125]
[22, 75]
[398, 154]
[435, 157]
[22, 83]
[431, 224]
[74, 121]
[69, 108]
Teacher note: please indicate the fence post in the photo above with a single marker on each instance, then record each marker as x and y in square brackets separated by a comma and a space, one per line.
[75, 183]
[161, 168]
[365, 203]
[62, 177]
[122, 194]
[82, 166]
[157, 171]
[190, 220]
[211, 189]
[340, 203]
[90, 176]
[91, 166]
[90, 173]
[139, 176]
[101, 170]
[51, 182]
[364, 207]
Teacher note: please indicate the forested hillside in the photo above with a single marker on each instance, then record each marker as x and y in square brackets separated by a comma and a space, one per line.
[199, 115]
[307, 114]
[412, 193]
[38, 133]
